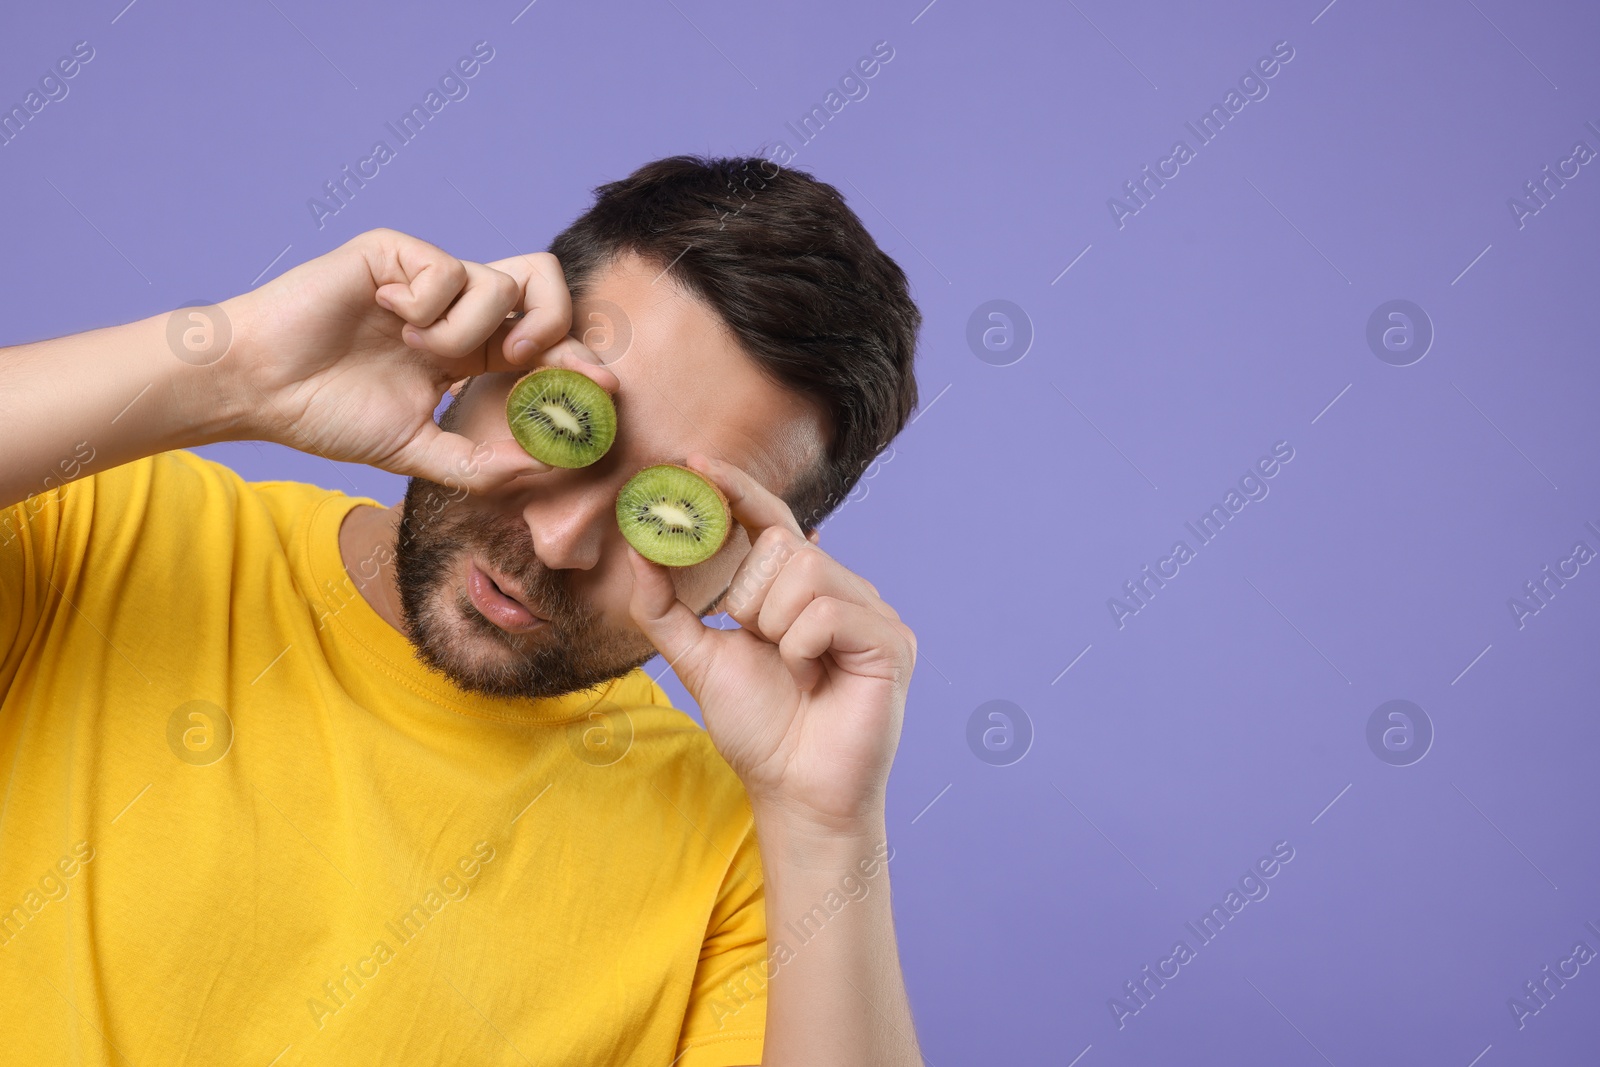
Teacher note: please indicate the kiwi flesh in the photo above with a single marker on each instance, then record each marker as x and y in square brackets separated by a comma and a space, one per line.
[674, 516]
[561, 417]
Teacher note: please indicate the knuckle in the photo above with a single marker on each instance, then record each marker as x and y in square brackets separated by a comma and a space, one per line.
[776, 543]
[826, 609]
[546, 264]
[810, 563]
[506, 288]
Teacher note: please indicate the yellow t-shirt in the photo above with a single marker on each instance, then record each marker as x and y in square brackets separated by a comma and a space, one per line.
[241, 823]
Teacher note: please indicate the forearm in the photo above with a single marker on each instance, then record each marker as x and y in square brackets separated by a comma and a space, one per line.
[95, 400]
[836, 994]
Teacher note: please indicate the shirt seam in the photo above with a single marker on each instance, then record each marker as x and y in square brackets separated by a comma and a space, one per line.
[704, 1042]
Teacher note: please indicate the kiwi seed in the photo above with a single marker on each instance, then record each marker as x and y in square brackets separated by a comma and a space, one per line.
[674, 516]
[561, 417]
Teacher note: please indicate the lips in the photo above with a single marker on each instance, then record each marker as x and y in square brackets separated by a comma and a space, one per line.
[500, 602]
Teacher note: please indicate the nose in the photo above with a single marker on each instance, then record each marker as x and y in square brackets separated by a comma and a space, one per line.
[569, 526]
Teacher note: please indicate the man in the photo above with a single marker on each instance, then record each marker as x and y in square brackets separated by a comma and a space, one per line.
[295, 777]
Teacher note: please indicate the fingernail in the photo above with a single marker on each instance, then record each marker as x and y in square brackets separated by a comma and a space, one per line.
[523, 348]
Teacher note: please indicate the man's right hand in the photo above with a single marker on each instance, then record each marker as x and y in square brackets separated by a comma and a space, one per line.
[349, 355]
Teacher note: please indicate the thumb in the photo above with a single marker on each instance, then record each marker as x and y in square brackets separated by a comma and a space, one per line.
[671, 626]
[453, 460]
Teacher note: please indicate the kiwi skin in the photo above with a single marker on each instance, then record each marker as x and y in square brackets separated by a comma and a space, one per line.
[658, 551]
[559, 450]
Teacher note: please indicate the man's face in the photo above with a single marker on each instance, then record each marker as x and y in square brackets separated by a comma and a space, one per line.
[686, 386]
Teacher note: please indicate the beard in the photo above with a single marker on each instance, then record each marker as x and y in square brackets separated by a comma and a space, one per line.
[439, 534]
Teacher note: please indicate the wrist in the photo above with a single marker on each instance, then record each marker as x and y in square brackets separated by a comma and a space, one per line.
[201, 353]
[791, 835]
[233, 408]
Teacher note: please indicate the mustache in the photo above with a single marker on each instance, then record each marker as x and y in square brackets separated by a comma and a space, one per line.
[546, 591]
[435, 529]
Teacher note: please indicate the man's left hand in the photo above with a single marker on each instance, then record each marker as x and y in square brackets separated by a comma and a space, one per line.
[806, 701]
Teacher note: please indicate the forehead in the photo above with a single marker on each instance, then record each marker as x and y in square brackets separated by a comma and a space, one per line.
[687, 385]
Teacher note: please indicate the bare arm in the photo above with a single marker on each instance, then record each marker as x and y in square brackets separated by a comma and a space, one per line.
[345, 356]
[96, 400]
[835, 994]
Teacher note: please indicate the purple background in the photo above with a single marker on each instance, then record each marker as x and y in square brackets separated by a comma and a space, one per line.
[1224, 317]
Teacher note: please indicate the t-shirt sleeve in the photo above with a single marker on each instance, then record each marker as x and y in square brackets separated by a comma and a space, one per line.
[102, 522]
[726, 1019]
[34, 565]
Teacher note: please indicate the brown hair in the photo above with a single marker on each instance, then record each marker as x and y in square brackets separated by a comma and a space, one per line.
[796, 277]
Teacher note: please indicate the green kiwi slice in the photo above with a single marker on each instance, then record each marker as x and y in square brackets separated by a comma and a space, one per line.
[561, 417]
[673, 515]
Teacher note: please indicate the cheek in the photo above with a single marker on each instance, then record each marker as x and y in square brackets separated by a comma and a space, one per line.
[481, 413]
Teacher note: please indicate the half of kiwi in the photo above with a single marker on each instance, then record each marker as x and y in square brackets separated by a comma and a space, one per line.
[673, 515]
[561, 417]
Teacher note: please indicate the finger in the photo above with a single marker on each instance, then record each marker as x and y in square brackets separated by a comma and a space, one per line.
[456, 339]
[415, 280]
[669, 623]
[783, 571]
[547, 305]
[756, 574]
[456, 461]
[570, 353]
[857, 639]
[754, 506]
[810, 575]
